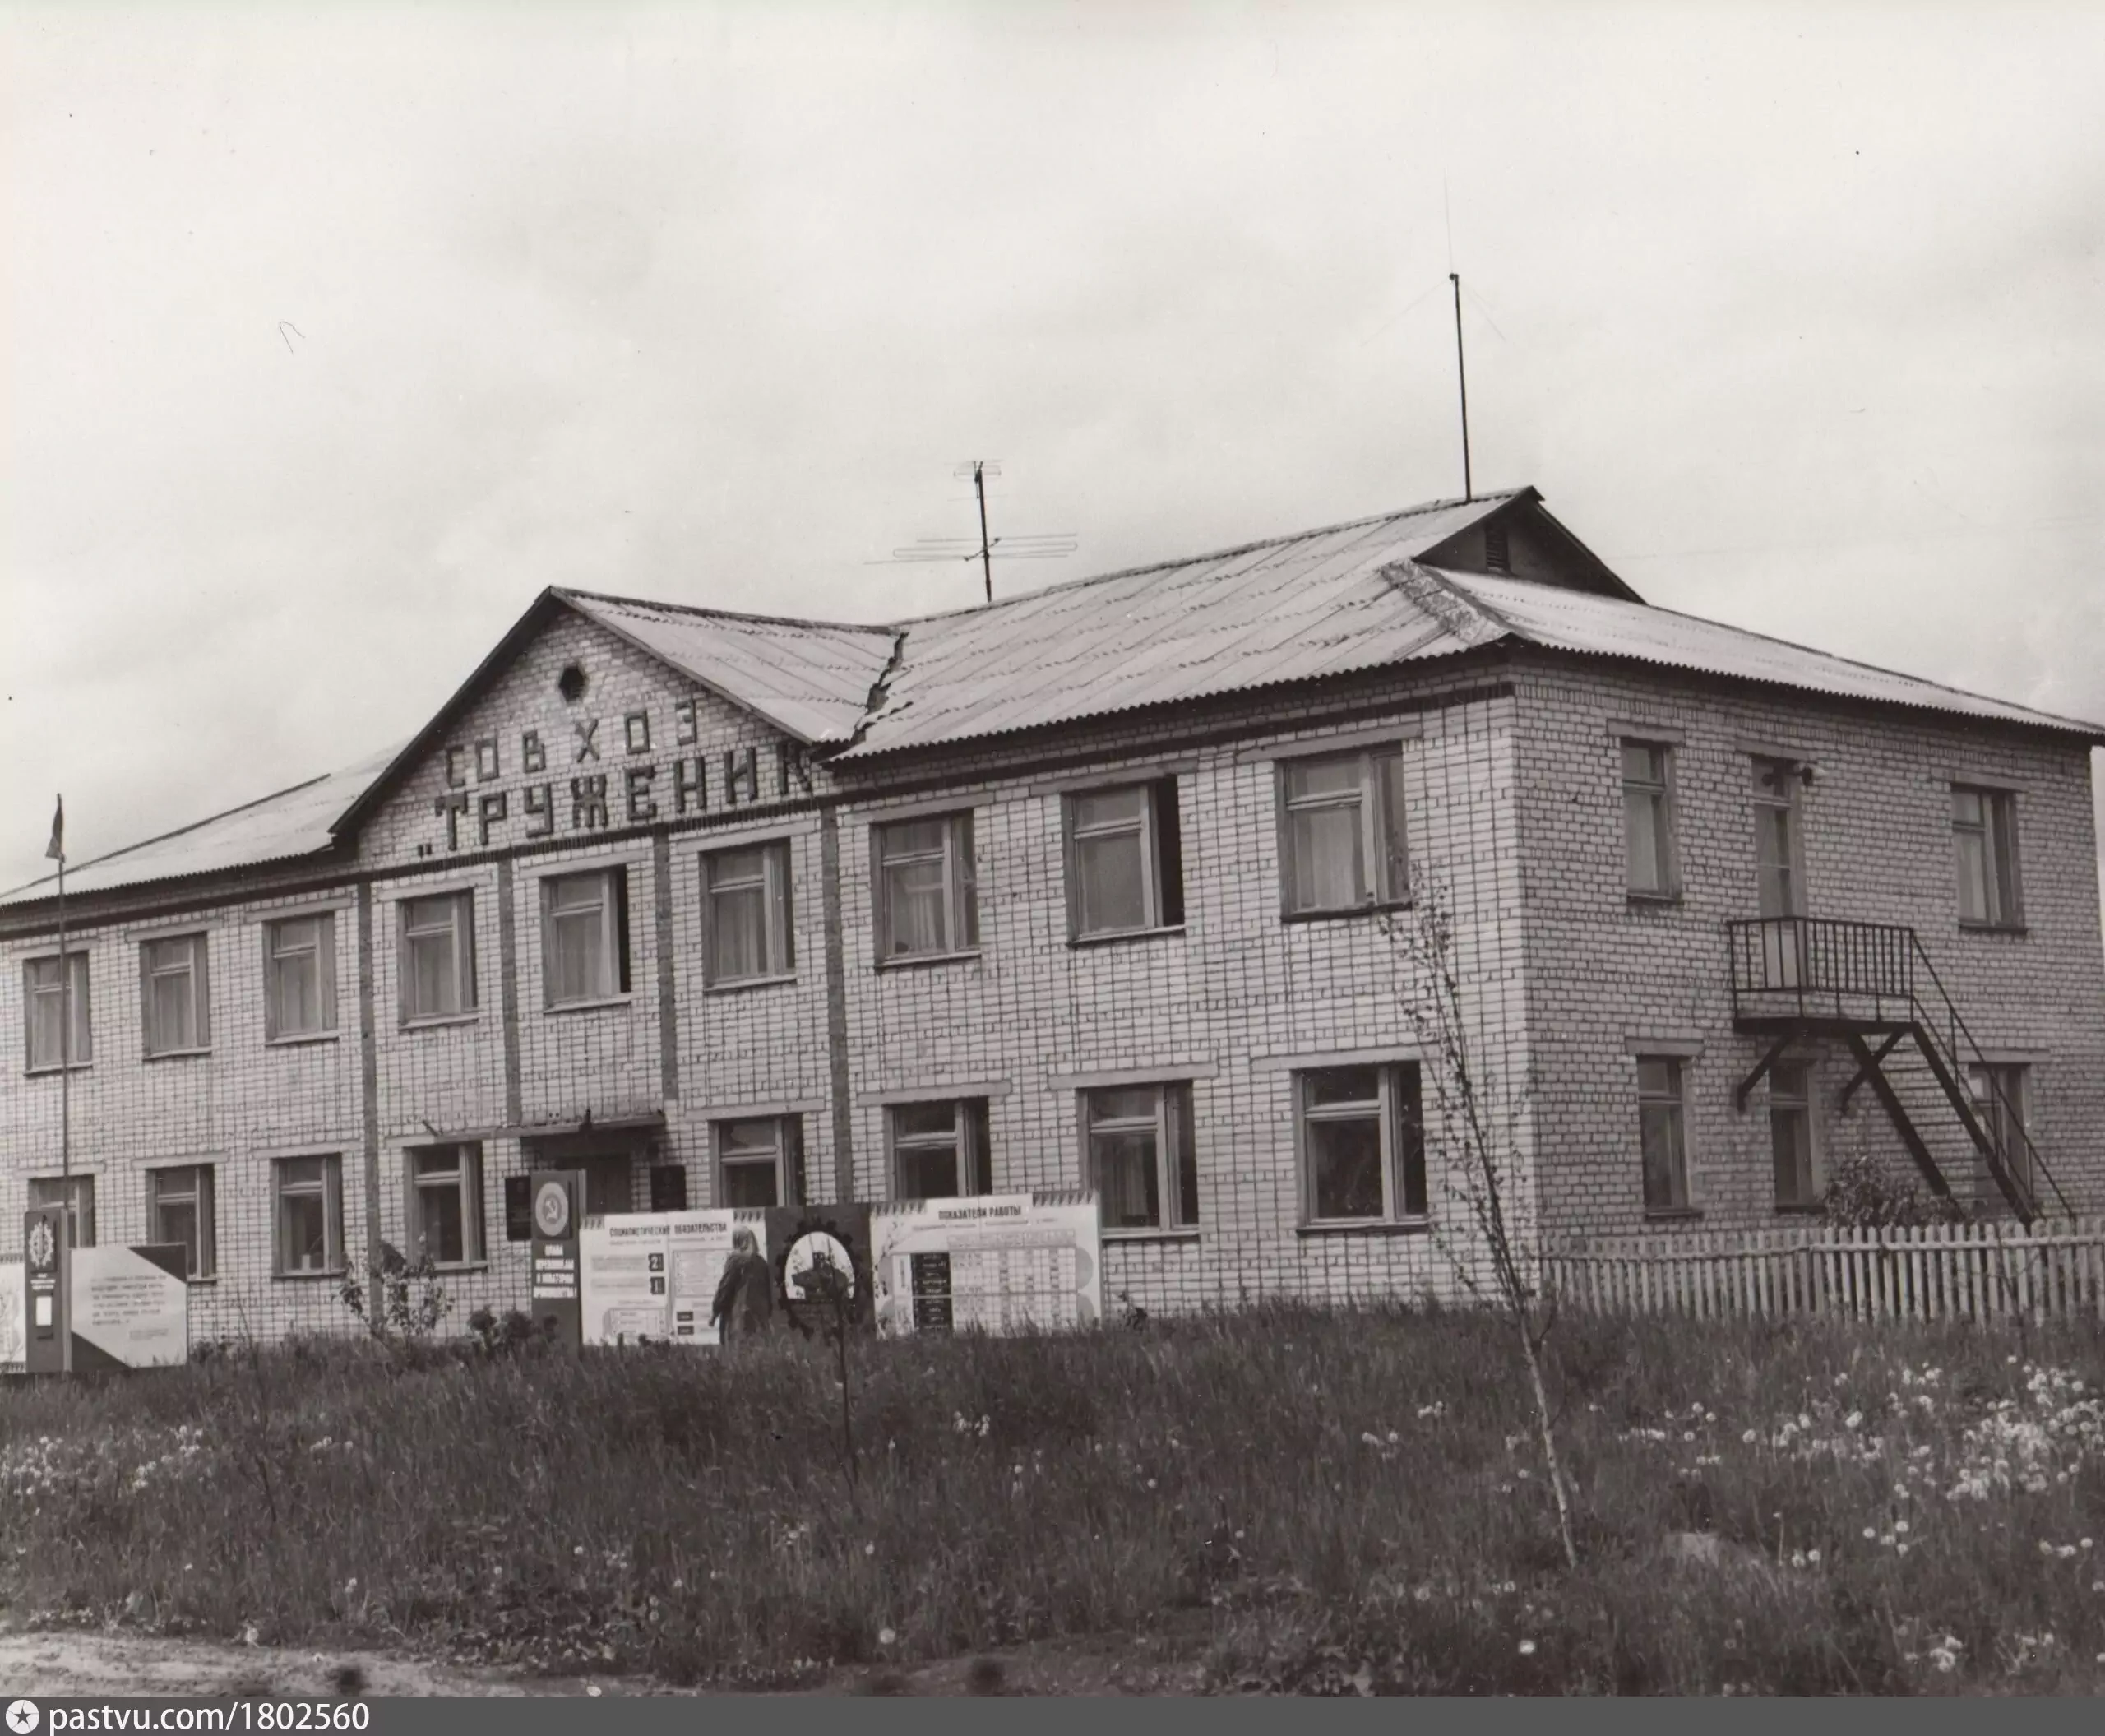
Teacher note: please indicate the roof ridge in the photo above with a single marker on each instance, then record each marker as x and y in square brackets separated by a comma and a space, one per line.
[569, 593]
[1496, 498]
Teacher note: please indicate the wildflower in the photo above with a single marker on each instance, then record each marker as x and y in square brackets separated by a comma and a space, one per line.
[1813, 1556]
[1870, 1535]
[1748, 1438]
[2045, 1547]
[1150, 1482]
[1853, 1420]
[578, 1550]
[593, 1689]
[1901, 1526]
[886, 1637]
[1527, 1648]
[869, 1549]
[2065, 1551]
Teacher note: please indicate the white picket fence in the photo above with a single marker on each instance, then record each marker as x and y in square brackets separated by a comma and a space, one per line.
[1974, 1271]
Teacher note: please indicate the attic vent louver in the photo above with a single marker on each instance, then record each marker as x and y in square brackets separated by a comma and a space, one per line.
[1496, 557]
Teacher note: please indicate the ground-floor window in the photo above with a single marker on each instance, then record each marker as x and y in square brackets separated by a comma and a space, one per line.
[1791, 1135]
[1362, 1140]
[308, 1207]
[1661, 1132]
[179, 1209]
[75, 1192]
[1140, 1158]
[444, 1217]
[2001, 1092]
[761, 1162]
[938, 1149]
[610, 1182]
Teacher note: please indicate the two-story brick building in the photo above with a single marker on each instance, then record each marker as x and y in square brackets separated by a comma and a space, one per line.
[1089, 886]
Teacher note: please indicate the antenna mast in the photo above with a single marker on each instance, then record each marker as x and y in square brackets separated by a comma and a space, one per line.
[1462, 374]
[985, 548]
[1050, 546]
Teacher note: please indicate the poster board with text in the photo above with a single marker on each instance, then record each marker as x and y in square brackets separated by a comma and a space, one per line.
[1000, 1263]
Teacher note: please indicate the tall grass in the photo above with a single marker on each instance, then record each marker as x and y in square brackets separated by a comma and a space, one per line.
[1309, 1501]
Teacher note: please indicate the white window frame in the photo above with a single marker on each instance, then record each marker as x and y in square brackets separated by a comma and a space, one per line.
[155, 963]
[961, 903]
[1678, 1101]
[1659, 794]
[464, 1179]
[614, 887]
[1776, 787]
[1170, 1121]
[778, 921]
[276, 953]
[1996, 835]
[788, 1132]
[2014, 1079]
[82, 1044]
[1802, 1103]
[1387, 1107]
[1148, 826]
[968, 1137]
[1377, 873]
[329, 1187]
[418, 919]
[76, 1193]
[198, 1194]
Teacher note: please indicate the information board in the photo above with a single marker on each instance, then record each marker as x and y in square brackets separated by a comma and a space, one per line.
[651, 1276]
[555, 1197]
[131, 1307]
[14, 1342]
[1000, 1263]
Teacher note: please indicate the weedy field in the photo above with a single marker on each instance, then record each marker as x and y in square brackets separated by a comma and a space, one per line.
[1347, 1501]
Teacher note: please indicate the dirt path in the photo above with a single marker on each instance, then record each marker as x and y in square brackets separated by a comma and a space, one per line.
[72, 1663]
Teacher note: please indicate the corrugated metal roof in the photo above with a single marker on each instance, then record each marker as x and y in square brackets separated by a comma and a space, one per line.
[1313, 605]
[293, 822]
[1576, 621]
[808, 678]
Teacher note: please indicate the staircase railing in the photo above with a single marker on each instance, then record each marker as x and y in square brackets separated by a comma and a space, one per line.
[1812, 967]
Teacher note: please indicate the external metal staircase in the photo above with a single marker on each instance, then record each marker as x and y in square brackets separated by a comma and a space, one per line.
[1872, 986]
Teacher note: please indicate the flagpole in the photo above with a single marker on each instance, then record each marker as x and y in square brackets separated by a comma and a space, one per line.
[65, 1032]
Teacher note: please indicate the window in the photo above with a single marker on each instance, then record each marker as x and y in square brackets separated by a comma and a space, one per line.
[1125, 865]
[48, 1002]
[77, 1194]
[299, 977]
[746, 915]
[1342, 831]
[939, 1150]
[584, 937]
[927, 902]
[1999, 1092]
[1647, 819]
[1984, 828]
[1659, 1127]
[1141, 1159]
[759, 1162]
[669, 1187]
[438, 957]
[1362, 1145]
[1791, 1134]
[309, 1208]
[444, 1221]
[175, 998]
[610, 1182]
[179, 1209]
[1778, 871]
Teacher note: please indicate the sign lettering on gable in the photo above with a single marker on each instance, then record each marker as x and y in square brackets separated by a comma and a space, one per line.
[638, 796]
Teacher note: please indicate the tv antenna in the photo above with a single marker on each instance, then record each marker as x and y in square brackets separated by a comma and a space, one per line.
[1052, 546]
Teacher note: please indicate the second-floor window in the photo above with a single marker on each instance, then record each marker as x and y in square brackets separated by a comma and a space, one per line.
[928, 903]
[1124, 865]
[175, 996]
[50, 1005]
[746, 897]
[1141, 1159]
[438, 956]
[938, 1149]
[1647, 819]
[1342, 831]
[584, 937]
[1984, 830]
[299, 977]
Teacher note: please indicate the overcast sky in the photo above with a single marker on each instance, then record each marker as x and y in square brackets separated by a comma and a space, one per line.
[331, 335]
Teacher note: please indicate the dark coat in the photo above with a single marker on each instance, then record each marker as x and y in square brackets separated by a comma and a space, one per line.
[745, 1297]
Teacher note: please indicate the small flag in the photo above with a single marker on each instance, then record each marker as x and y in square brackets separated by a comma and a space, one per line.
[56, 849]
